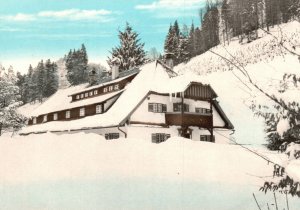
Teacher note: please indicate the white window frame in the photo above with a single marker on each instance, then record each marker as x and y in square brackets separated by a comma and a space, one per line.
[45, 118]
[91, 93]
[55, 116]
[77, 97]
[116, 87]
[110, 88]
[95, 92]
[81, 95]
[105, 90]
[68, 114]
[159, 137]
[99, 109]
[34, 121]
[82, 112]
[86, 94]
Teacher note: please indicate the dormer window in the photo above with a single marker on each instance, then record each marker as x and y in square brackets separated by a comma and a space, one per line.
[105, 90]
[55, 116]
[34, 120]
[86, 95]
[95, 92]
[91, 93]
[116, 87]
[45, 118]
[110, 88]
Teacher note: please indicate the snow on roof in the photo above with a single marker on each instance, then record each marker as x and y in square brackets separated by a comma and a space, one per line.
[104, 84]
[151, 76]
[60, 101]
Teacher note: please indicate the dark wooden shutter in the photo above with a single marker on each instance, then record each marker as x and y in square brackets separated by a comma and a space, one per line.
[150, 107]
[164, 108]
[154, 138]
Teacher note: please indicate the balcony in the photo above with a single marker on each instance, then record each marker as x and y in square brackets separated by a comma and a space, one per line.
[189, 119]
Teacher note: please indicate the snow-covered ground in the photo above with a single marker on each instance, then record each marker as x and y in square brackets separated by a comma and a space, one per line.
[85, 171]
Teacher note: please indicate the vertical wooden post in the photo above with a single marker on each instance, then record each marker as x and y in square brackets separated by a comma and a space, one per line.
[212, 122]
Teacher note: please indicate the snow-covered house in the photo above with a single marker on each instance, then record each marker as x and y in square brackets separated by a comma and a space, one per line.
[150, 102]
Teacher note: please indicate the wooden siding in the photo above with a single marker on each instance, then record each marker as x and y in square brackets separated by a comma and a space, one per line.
[189, 119]
[74, 114]
[100, 90]
[199, 91]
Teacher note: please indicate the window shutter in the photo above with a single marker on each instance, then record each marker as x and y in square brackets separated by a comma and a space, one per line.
[150, 107]
[164, 108]
[154, 138]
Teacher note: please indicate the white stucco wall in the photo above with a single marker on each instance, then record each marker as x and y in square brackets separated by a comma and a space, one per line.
[142, 114]
[144, 133]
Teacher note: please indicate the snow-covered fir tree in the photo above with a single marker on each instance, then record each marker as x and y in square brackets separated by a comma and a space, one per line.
[130, 52]
[9, 101]
[77, 66]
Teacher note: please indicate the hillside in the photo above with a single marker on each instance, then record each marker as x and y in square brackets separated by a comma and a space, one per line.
[266, 62]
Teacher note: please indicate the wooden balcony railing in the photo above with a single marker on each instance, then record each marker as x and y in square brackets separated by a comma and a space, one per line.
[189, 119]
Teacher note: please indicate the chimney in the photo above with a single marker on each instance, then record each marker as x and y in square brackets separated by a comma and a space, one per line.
[169, 60]
[115, 68]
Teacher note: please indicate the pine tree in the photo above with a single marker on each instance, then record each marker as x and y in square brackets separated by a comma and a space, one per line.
[130, 52]
[51, 79]
[9, 100]
[77, 66]
[41, 86]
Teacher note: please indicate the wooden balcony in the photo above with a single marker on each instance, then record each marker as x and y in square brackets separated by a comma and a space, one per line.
[189, 119]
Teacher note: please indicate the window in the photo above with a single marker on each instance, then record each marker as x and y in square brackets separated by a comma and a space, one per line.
[157, 108]
[55, 116]
[81, 96]
[202, 110]
[159, 137]
[45, 118]
[177, 107]
[91, 93]
[110, 88]
[110, 136]
[95, 92]
[207, 138]
[82, 112]
[68, 114]
[34, 120]
[104, 90]
[99, 109]
[116, 87]
[77, 97]
[86, 95]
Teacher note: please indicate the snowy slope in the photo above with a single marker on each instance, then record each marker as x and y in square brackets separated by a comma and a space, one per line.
[265, 61]
[85, 171]
[49, 157]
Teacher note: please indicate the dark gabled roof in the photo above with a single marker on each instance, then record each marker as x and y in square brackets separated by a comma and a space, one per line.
[228, 124]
